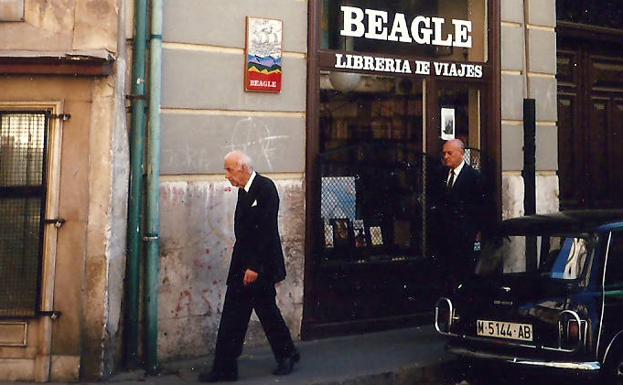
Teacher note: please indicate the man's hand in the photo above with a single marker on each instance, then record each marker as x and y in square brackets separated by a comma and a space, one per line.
[250, 276]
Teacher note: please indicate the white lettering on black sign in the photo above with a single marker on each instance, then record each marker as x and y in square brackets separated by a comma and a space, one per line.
[403, 66]
[375, 24]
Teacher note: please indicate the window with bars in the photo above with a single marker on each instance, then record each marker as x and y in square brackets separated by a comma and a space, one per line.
[23, 150]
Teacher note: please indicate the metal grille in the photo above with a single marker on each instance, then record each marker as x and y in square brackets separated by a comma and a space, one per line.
[472, 157]
[372, 203]
[22, 198]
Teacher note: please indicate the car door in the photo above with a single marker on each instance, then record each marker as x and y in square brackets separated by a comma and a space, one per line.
[612, 320]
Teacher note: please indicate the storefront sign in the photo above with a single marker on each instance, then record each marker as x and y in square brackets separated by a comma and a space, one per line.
[403, 66]
[424, 30]
[375, 24]
[263, 52]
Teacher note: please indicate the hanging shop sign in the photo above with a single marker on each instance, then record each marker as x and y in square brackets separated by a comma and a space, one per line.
[380, 25]
[263, 52]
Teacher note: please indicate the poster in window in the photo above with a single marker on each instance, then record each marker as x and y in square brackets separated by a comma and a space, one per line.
[328, 236]
[263, 52]
[447, 123]
[376, 235]
[359, 233]
[338, 197]
[341, 232]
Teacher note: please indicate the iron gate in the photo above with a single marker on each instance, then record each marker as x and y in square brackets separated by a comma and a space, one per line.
[23, 153]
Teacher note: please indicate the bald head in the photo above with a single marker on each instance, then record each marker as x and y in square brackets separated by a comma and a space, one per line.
[238, 168]
[453, 153]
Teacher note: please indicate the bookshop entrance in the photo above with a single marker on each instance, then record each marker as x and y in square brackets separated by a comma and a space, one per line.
[374, 259]
[381, 103]
[370, 255]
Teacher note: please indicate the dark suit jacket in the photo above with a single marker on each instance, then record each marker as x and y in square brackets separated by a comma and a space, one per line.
[461, 210]
[258, 245]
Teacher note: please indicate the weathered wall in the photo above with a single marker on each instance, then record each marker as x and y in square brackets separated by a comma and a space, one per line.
[205, 114]
[63, 25]
[197, 240]
[90, 251]
[529, 71]
[71, 245]
[105, 254]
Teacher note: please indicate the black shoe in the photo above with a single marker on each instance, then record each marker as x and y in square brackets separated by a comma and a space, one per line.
[286, 365]
[217, 376]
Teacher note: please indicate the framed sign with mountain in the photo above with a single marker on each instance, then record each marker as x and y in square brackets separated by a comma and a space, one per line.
[263, 52]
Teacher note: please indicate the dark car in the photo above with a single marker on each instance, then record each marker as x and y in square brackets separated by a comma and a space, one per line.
[547, 292]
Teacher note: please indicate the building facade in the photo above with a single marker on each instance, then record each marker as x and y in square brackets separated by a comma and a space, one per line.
[369, 91]
[333, 116]
[63, 187]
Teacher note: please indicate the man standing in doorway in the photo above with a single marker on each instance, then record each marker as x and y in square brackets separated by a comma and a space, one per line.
[257, 264]
[461, 200]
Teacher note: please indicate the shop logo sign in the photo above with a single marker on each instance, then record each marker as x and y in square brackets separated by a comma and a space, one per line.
[375, 24]
[263, 52]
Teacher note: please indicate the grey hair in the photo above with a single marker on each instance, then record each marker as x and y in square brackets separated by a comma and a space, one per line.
[457, 142]
[242, 159]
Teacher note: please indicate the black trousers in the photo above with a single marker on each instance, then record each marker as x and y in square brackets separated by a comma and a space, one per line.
[239, 302]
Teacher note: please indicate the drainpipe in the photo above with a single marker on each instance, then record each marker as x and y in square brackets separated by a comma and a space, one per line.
[135, 205]
[152, 223]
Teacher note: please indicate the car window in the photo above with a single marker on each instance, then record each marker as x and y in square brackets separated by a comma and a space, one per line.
[558, 256]
[614, 271]
[570, 256]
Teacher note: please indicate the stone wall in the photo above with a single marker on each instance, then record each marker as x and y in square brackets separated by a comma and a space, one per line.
[64, 25]
[197, 241]
[85, 272]
[529, 71]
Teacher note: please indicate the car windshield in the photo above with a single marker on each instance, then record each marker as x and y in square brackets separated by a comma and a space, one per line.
[553, 256]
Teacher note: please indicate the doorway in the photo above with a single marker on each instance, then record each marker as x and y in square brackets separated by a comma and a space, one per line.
[379, 151]
[590, 118]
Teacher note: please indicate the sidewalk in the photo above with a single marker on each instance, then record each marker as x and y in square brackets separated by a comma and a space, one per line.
[406, 356]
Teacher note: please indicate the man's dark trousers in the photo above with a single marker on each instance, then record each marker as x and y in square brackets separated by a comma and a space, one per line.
[239, 302]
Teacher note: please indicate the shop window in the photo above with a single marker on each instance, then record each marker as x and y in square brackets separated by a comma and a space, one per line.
[605, 13]
[446, 29]
[22, 199]
[463, 102]
[372, 168]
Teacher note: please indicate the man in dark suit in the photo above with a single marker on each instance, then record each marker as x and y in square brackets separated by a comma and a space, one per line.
[461, 198]
[257, 264]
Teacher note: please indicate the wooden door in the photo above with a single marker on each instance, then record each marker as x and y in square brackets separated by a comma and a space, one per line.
[590, 123]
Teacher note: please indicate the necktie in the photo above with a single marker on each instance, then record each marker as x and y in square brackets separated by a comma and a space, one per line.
[450, 181]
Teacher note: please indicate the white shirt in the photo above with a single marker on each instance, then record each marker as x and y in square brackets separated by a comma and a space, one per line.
[248, 185]
[457, 170]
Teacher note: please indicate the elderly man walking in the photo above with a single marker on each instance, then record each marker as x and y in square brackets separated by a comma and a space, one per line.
[257, 263]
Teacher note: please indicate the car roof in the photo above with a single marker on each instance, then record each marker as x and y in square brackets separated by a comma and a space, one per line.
[572, 221]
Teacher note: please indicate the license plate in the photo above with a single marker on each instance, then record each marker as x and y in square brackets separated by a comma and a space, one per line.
[508, 330]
